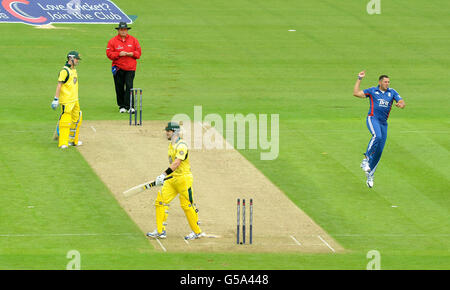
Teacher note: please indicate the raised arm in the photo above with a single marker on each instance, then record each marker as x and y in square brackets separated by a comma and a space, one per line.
[357, 92]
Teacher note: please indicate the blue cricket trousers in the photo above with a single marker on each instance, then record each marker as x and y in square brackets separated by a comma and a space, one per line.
[378, 129]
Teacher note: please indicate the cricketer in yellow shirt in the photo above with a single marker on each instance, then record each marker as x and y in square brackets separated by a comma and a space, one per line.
[180, 183]
[67, 96]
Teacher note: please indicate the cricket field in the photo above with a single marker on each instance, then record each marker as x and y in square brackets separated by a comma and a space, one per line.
[295, 59]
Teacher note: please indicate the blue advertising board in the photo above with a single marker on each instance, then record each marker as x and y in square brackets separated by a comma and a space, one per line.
[40, 12]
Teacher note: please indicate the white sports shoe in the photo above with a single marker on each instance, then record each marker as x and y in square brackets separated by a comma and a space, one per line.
[131, 110]
[193, 236]
[73, 144]
[157, 235]
[122, 110]
[365, 165]
[369, 180]
[63, 147]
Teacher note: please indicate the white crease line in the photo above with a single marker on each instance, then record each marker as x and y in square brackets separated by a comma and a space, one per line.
[325, 242]
[304, 131]
[390, 235]
[164, 249]
[93, 129]
[346, 131]
[212, 236]
[295, 240]
[63, 235]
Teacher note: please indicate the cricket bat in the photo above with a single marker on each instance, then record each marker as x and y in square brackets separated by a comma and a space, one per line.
[141, 187]
[56, 134]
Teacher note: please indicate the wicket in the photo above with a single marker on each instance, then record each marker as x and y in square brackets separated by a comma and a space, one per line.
[251, 220]
[243, 221]
[238, 219]
[134, 93]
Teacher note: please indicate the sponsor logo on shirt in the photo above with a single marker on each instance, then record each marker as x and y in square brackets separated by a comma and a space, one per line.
[383, 103]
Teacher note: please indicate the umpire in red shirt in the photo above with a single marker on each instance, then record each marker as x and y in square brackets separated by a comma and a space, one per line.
[123, 50]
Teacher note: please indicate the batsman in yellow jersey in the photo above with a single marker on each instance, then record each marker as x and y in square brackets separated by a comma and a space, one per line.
[180, 183]
[67, 96]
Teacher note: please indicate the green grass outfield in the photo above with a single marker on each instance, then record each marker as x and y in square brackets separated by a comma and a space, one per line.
[238, 57]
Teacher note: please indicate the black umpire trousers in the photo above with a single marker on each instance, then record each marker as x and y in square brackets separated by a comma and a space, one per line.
[123, 81]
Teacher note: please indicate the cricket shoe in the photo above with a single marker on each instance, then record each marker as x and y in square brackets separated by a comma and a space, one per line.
[131, 110]
[63, 147]
[193, 236]
[365, 165]
[369, 180]
[122, 110]
[73, 143]
[157, 235]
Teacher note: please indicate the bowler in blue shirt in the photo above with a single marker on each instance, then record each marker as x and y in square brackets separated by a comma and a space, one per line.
[381, 99]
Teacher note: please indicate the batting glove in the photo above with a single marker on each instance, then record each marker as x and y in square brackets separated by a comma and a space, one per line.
[160, 180]
[55, 103]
